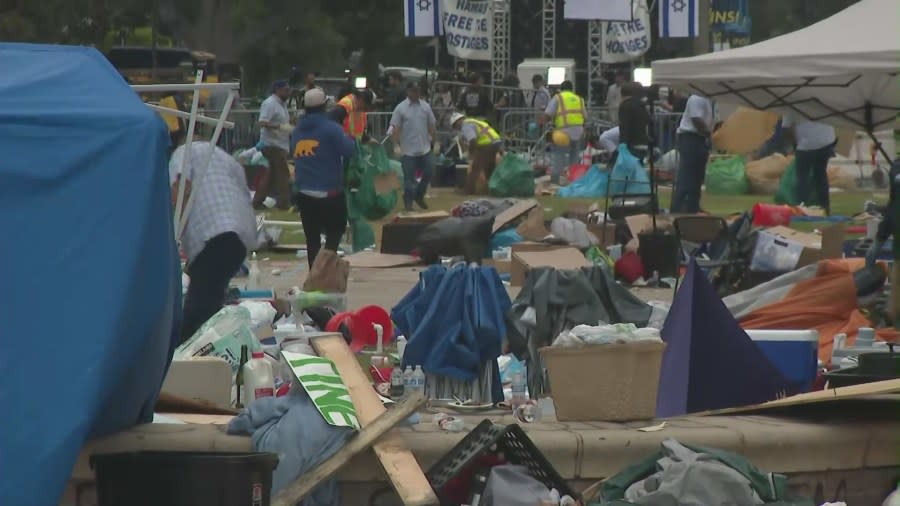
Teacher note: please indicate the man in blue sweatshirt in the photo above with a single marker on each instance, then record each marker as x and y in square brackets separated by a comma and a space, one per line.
[320, 148]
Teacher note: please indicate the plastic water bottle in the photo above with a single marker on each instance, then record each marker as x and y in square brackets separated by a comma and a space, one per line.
[408, 382]
[418, 378]
[519, 393]
[259, 381]
[253, 273]
[397, 386]
[401, 346]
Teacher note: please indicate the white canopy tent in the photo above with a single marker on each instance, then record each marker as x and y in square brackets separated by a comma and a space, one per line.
[841, 70]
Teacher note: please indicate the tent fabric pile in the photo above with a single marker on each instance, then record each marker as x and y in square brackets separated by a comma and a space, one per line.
[552, 301]
[85, 192]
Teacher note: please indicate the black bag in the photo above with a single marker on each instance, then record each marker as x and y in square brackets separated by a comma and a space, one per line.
[468, 237]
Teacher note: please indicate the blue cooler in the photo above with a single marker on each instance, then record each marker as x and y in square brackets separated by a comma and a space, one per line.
[794, 352]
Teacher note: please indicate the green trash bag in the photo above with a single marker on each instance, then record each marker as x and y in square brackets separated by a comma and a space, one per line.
[726, 176]
[597, 256]
[370, 161]
[787, 189]
[513, 177]
[771, 487]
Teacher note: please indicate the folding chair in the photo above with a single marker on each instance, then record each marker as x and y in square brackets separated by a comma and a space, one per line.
[693, 233]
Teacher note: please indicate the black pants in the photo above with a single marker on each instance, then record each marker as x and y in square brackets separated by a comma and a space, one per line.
[319, 216]
[812, 176]
[693, 154]
[210, 273]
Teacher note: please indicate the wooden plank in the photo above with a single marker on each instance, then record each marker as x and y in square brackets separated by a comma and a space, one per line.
[304, 484]
[375, 260]
[821, 396]
[518, 209]
[399, 463]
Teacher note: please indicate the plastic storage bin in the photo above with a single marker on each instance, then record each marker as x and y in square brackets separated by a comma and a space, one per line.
[183, 478]
[793, 352]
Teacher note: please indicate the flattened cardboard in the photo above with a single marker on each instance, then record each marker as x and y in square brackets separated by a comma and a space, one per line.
[604, 232]
[533, 227]
[564, 257]
[745, 131]
[375, 260]
[508, 216]
[815, 247]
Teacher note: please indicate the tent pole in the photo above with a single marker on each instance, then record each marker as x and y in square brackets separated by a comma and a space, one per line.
[192, 123]
[870, 131]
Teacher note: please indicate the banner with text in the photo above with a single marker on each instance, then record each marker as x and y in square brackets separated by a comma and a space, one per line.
[321, 380]
[627, 40]
[468, 28]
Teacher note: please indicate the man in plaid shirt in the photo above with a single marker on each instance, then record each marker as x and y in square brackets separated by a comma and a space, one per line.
[220, 230]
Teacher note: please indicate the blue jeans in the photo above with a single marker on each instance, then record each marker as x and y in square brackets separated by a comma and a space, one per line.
[693, 154]
[411, 164]
[564, 157]
[812, 176]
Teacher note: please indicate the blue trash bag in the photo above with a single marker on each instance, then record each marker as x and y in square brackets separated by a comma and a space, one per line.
[592, 184]
[628, 175]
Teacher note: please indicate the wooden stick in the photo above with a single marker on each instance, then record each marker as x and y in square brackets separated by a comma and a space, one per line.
[306, 483]
[399, 463]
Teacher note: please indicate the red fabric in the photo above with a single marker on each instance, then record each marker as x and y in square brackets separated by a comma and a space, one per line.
[459, 489]
[629, 268]
[826, 303]
[769, 215]
[576, 171]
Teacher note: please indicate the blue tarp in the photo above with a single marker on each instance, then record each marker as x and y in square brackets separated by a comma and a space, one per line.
[89, 267]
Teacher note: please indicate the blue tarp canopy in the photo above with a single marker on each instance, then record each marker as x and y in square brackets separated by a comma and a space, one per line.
[88, 263]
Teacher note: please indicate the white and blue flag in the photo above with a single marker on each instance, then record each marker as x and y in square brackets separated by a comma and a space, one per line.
[422, 18]
[679, 18]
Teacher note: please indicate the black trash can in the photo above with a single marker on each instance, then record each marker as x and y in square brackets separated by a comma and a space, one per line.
[150, 478]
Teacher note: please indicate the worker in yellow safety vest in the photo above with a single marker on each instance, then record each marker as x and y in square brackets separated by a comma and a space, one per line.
[483, 144]
[568, 113]
[351, 112]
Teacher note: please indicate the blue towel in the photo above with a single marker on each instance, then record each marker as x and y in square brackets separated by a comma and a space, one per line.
[292, 427]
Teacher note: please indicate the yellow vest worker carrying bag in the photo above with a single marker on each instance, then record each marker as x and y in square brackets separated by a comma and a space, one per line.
[485, 134]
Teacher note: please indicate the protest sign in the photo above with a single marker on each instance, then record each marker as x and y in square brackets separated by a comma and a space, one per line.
[627, 40]
[320, 378]
[467, 26]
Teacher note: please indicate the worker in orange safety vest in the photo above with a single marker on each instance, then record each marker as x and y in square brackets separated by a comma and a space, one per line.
[351, 112]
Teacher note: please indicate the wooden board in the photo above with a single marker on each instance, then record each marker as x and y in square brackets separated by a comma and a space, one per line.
[399, 463]
[518, 209]
[375, 260]
[306, 483]
[822, 396]
[424, 217]
[193, 419]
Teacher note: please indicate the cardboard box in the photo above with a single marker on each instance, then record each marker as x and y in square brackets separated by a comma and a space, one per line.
[604, 232]
[559, 257]
[604, 382]
[783, 249]
[502, 266]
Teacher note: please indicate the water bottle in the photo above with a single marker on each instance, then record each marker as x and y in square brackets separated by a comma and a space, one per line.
[401, 346]
[519, 393]
[418, 378]
[253, 273]
[408, 381]
[397, 383]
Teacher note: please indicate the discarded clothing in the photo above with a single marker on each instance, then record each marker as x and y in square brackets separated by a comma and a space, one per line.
[552, 301]
[292, 427]
[681, 474]
[574, 232]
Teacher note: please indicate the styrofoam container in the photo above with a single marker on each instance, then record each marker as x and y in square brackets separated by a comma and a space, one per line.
[793, 352]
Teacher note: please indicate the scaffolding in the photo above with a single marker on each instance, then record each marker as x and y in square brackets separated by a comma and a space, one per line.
[548, 23]
[500, 41]
[595, 57]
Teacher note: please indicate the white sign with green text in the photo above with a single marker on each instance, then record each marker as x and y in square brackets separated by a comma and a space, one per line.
[320, 378]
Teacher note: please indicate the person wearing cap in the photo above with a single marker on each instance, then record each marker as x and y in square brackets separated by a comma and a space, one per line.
[320, 148]
[351, 112]
[483, 144]
[568, 114]
[274, 137]
[413, 130]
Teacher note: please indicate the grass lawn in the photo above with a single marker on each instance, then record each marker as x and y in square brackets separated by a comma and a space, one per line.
[842, 203]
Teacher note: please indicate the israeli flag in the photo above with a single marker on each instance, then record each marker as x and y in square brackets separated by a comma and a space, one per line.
[422, 18]
[679, 18]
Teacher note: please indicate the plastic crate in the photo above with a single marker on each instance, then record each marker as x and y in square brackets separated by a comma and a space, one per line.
[511, 442]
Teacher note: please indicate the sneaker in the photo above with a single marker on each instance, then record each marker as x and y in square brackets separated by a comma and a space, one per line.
[421, 203]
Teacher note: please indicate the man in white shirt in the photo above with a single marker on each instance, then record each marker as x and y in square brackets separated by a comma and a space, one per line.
[274, 138]
[220, 228]
[414, 129]
[815, 146]
[609, 140]
[614, 95]
[540, 97]
[693, 151]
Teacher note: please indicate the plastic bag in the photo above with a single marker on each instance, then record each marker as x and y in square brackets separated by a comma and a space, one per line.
[574, 232]
[221, 336]
[513, 177]
[469, 237]
[726, 176]
[591, 185]
[628, 176]
[787, 189]
[369, 162]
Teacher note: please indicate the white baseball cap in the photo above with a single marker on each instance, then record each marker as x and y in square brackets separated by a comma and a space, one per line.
[455, 117]
[314, 98]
